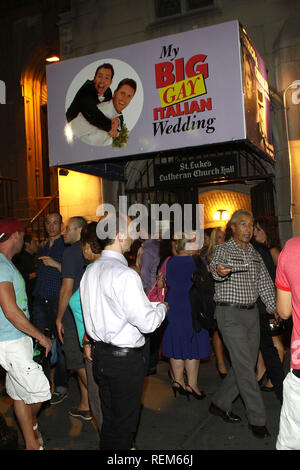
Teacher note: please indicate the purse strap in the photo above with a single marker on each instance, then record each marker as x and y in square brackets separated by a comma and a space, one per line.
[163, 268]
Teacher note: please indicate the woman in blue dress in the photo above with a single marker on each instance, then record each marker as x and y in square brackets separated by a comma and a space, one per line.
[180, 342]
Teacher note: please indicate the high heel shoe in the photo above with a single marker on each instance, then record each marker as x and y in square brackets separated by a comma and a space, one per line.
[171, 378]
[195, 394]
[179, 388]
[221, 374]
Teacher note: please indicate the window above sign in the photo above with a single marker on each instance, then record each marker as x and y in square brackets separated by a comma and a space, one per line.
[169, 8]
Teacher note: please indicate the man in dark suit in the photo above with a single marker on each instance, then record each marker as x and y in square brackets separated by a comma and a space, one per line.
[90, 95]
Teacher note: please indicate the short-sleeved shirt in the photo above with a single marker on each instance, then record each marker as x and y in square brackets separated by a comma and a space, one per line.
[9, 273]
[75, 305]
[26, 264]
[288, 279]
[73, 267]
[48, 281]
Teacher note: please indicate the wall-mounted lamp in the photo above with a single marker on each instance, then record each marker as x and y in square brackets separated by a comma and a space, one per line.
[221, 214]
[52, 58]
[63, 172]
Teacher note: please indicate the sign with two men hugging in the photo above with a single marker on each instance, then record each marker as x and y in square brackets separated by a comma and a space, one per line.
[173, 92]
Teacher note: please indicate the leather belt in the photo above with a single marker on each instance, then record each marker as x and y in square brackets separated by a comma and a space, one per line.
[296, 372]
[116, 350]
[241, 306]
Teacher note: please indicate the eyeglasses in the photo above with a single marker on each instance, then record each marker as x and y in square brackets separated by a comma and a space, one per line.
[3, 236]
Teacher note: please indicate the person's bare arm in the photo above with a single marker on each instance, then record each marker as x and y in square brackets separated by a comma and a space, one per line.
[48, 261]
[17, 317]
[87, 348]
[275, 255]
[65, 294]
[284, 304]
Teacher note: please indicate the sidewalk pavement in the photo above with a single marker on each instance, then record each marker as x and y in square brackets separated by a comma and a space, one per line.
[166, 423]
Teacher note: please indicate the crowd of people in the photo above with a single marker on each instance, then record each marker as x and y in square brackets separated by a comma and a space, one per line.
[88, 306]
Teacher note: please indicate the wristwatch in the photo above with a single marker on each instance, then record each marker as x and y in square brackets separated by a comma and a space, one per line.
[85, 343]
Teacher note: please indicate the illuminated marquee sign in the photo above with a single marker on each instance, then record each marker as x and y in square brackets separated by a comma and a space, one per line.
[257, 98]
[185, 90]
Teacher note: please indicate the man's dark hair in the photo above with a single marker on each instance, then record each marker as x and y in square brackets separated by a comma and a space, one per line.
[106, 237]
[88, 235]
[127, 81]
[228, 231]
[106, 66]
[56, 213]
[80, 221]
[27, 238]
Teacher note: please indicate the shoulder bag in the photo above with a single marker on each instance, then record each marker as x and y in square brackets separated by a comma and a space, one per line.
[158, 294]
[201, 296]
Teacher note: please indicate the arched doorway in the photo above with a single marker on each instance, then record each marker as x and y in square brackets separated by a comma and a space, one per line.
[215, 200]
[41, 180]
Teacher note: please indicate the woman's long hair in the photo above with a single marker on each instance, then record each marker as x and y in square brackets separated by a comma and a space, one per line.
[269, 224]
[212, 242]
[89, 235]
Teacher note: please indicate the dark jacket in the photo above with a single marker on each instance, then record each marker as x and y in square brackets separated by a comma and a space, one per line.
[85, 102]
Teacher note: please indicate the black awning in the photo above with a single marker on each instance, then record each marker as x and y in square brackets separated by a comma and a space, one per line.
[110, 171]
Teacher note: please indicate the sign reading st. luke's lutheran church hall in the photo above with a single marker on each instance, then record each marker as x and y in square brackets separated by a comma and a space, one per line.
[180, 173]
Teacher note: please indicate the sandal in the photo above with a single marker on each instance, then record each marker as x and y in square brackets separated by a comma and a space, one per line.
[38, 435]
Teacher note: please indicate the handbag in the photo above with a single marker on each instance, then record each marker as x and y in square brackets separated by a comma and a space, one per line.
[158, 294]
[201, 296]
[276, 327]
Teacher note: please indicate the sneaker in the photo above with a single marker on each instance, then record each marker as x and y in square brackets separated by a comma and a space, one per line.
[58, 397]
[76, 413]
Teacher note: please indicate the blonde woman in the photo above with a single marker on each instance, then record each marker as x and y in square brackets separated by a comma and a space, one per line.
[217, 237]
[180, 343]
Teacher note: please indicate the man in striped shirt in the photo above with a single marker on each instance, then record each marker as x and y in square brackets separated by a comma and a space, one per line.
[240, 278]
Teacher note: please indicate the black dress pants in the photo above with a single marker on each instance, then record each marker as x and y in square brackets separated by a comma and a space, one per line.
[120, 379]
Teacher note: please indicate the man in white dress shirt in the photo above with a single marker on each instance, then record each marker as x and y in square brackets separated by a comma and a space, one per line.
[117, 314]
[92, 135]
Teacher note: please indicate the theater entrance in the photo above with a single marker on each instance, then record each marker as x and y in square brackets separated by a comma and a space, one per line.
[223, 179]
